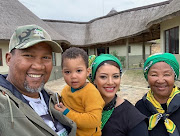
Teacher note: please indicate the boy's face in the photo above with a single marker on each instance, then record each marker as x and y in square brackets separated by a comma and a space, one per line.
[75, 72]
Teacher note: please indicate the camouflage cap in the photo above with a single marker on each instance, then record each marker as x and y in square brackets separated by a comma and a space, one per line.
[29, 35]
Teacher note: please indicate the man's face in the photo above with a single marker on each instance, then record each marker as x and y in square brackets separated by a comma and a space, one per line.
[30, 68]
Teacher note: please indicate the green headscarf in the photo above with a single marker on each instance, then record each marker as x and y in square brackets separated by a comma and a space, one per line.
[94, 62]
[162, 57]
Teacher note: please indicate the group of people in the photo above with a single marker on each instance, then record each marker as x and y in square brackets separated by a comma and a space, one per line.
[86, 108]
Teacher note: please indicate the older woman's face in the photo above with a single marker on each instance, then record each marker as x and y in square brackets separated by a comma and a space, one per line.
[161, 81]
[107, 81]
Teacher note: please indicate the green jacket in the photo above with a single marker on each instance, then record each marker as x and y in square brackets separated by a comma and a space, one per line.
[19, 119]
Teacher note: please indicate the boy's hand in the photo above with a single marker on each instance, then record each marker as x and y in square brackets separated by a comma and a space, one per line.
[60, 107]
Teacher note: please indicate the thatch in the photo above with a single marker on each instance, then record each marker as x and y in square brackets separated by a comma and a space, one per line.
[13, 14]
[112, 11]
[111, 28]
[138, 24]
[74, 32]
[171, 10]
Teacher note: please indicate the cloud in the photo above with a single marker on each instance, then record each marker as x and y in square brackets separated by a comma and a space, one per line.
[80, 10]
[65, 9]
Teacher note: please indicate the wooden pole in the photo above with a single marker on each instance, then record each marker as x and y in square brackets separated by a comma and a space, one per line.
[127, 54]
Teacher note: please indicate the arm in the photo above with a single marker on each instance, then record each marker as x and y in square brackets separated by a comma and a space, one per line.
[86, 114]
[88, 119]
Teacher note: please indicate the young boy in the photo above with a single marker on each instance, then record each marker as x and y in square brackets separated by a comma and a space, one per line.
[82, 102]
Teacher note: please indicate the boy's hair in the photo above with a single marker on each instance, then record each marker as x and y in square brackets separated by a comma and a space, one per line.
[73, 53]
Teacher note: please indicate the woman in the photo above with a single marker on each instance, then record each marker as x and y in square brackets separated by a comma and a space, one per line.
[119, 117]
[162, 102]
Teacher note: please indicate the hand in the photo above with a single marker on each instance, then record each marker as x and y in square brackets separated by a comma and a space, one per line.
[60, 107]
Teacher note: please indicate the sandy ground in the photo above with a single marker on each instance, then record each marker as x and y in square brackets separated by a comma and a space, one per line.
[133, 85]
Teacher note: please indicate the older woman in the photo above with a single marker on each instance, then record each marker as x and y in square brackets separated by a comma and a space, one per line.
[119, 117]
[162, 102]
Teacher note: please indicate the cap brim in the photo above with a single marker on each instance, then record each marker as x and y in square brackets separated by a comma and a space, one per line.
[54, 45]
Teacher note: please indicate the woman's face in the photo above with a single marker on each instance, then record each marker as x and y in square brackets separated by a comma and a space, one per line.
[161, 81]
[107, 81]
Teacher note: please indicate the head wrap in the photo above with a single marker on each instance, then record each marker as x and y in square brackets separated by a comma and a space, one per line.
[96, 61]
[162, 57]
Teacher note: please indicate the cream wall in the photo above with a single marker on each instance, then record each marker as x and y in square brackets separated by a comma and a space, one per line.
[58, 59]
[136, 49]
[56, 71]
[167, 25]
[121, 50]
[92, 51]
[4, 47]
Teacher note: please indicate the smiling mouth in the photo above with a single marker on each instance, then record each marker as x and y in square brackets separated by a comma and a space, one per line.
[109, 89]
[161, 87]
[34, 76]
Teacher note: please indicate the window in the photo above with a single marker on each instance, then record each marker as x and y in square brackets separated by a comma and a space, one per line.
[86, 50]
[1, 61]
[172, 40]
[54, 58]
[129, 49]
[102, 50]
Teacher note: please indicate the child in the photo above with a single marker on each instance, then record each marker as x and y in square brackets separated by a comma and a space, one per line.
[82, 101]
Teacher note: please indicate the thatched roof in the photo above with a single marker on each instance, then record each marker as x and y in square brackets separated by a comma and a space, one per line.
[112, 11]
[115, 27]
[13, 14]
[171, 10]
[137, 24]
[74, 32]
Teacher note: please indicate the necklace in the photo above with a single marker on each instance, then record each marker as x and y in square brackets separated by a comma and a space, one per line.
[107, 111]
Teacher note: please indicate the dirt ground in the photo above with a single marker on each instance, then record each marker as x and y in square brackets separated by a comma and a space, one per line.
[133, 85]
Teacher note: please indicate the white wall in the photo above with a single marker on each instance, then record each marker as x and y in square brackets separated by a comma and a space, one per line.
[58, 59]
[121, 50]
[4, 46]
[136, 49]
[92, 51]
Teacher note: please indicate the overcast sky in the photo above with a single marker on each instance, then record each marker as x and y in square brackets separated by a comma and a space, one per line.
[80, 10]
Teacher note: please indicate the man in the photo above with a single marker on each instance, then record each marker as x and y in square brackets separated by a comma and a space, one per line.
[25, 107]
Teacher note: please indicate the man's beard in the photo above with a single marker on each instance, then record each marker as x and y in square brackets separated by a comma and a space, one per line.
[33, 90]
